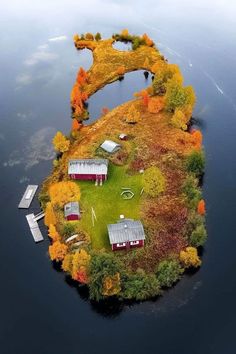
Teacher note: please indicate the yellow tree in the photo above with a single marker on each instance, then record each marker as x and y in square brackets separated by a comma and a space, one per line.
[178, 120]
[111, 285]
[189, 257]
[63, 192]
[52, 233]
[133, 115]
[60, 142]
[50, 217]
[67, 263]
[80, 262]
[57, 251]
[125, 33]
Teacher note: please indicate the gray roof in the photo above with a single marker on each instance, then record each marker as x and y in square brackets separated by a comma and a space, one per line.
[110, 146]
[88, 166]
[126, 230]
[71, 208]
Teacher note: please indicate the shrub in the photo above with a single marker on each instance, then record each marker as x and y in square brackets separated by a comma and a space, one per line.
[179, 120]
[191, 191]
[168, 272]
[103, 269]
[194, 220]
[140, 286]
[189, 257]
[195, 162]
[153, 181]
[60, 142]
[198, 236]
[57, 251]
[69, 228]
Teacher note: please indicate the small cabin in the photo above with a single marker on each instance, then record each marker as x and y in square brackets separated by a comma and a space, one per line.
[123, 136]
[72, 211]
[126, 234]
[88, 169]
[110, 146]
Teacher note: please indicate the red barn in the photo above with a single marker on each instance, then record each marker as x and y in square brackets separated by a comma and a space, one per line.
[125, 234]
[88, 169]
[71, 211]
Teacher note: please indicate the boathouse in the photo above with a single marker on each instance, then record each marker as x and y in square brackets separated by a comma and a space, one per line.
[72, 211]
[110, 146]
[126, 234]
[88, 169]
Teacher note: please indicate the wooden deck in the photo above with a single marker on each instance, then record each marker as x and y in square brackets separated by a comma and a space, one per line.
[28, 196]
[34, 228]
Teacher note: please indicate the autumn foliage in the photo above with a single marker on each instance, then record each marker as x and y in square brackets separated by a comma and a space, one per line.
[149, 42]
[189, 257]
[60, 142]
[57, 251]
[144, 95]
[111, 285]
[50, 217]
[133, 115]
[201, 209]
[155, 104]
[63, 192]
[75, 125]
[120, 70]
[197, 136]
[80, 263]
[52, 233]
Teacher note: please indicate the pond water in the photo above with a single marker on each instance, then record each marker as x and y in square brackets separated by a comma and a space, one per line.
[122, 46]
[41, 311]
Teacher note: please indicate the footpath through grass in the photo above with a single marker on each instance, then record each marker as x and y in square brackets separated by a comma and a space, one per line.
[108, 204]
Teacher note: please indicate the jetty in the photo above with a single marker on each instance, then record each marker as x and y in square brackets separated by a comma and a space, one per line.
[28, 196]
[33, 224]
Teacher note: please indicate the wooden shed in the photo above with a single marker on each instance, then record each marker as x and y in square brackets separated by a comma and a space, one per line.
[72, 211]
[88, 169]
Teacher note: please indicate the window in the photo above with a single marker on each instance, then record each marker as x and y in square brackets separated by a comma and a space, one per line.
[133, 243]
[120, 244]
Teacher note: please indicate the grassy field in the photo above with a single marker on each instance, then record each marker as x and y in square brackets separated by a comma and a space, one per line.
[108, 203]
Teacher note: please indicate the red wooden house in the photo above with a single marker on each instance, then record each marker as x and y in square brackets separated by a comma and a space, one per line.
[125, 234]
[71, 211]
[88, 169]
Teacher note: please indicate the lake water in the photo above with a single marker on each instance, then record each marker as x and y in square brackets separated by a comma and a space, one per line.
[41, 311]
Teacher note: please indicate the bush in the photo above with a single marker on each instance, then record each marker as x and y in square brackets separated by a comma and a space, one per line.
[140, 286]
[195, 163]
[153, 181]
[198, 236]
[102, 266]
[194, 220]
[168, 272]
[189, 257]
[191, 191]
[69, 228]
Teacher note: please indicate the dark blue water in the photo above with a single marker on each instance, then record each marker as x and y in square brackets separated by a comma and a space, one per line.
[41, 312]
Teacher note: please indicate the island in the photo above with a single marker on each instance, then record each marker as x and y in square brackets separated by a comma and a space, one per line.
[123, 204]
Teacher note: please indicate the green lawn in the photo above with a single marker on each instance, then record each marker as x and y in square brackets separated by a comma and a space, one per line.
[108, 203]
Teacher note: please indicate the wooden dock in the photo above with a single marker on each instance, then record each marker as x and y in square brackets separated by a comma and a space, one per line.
[34, 228]
[28, 196]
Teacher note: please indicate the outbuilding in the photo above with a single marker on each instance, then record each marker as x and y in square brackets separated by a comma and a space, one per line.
[110, 146]
[72, 211]
[125, 234]
[88, 169]
[123, 136]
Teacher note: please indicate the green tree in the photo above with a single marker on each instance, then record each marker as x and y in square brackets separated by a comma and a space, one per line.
[195, 162]
[178, 96]
[168, 272]
[140, 286]
[192, 191]
[153, 181]
[102, 265]
[98, 36]
[198, 236]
